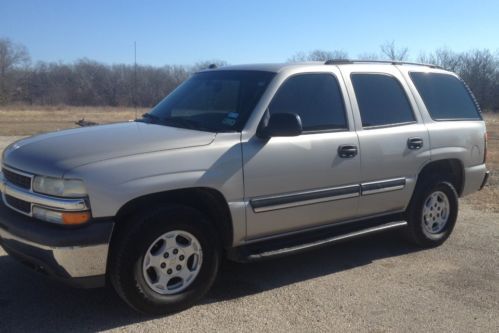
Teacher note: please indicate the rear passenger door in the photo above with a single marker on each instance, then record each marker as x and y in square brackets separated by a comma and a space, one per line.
[394, 142]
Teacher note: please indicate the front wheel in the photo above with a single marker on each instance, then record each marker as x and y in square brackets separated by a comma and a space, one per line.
[165, 260]
[432, 213]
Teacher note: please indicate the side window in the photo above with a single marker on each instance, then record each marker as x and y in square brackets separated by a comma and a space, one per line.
[445, 96]
[316, 98]
[381, 99]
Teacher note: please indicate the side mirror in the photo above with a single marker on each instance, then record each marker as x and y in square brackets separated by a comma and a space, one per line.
[282, 124]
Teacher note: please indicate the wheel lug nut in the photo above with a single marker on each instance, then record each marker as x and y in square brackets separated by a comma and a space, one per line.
[166, 255]
[181, 257]
[179, 267]
[175, 251]
[163, 265]
[169, 271]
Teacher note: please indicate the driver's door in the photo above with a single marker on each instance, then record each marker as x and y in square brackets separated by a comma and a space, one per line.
[304, 181]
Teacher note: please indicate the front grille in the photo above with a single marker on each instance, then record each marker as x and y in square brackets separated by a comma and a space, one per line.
[18, 204]
[17, 179]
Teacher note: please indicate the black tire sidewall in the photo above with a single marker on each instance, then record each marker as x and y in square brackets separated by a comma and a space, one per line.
[415, 218]
[129, 269]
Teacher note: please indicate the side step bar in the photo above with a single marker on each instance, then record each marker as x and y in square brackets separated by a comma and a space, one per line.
[246, 257]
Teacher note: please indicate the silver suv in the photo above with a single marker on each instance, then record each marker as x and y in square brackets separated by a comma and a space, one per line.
[247, 163]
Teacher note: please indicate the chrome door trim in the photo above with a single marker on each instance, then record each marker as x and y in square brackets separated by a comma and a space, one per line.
[304, 198]
[383, 186]
[276, 202]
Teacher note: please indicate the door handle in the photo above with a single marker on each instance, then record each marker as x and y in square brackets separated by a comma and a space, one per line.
[347, 151]
[414, 143]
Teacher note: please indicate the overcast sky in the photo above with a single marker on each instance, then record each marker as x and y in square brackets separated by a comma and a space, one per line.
[184, 32]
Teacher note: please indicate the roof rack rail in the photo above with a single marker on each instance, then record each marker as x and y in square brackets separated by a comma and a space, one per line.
[392, 62]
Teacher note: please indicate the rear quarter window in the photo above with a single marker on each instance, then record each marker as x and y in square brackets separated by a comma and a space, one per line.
[446, 97]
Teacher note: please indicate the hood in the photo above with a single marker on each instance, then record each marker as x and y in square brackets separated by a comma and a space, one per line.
[53, 154]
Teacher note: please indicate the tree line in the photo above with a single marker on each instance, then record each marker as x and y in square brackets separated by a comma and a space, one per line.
[90, 83]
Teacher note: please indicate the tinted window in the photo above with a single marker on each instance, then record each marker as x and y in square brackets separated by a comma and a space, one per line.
[316, 98]
[445, 96]
[216, 101]
[381, 99]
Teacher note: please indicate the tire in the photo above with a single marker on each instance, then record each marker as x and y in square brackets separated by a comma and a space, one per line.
[157, 290]
[432, 213]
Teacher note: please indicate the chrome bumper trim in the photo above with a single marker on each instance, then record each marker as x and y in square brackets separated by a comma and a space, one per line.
[78, 261]
[40, 199]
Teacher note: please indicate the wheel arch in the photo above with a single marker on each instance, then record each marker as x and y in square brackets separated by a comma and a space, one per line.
[208, 201]
[451, 170]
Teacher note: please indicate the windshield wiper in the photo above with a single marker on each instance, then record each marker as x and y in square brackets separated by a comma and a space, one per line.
[185, 123]
[152, 118]
[174, 122]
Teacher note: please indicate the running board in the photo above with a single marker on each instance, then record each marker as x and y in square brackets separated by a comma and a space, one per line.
[319, 243]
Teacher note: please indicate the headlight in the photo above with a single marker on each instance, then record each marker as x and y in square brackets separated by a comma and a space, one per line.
[59, 187]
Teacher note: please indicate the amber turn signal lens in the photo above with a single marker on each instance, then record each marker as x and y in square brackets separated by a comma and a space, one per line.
[75, 218]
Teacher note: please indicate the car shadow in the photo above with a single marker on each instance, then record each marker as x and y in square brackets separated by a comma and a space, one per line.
[29, 301]
[238, 280]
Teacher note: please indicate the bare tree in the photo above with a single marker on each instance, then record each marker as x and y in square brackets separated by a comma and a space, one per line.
[318, 55]
[444, 58]
[298, 57]
[495, 101]
[479, 69]
[368, 56]
[393, 53]
[200, 65]
[11, 56]
[88, 82]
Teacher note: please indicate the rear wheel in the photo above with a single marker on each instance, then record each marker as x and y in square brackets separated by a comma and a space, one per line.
[165, 260]
[432, 213]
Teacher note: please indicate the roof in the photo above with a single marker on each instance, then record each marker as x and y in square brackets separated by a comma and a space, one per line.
[277, 67]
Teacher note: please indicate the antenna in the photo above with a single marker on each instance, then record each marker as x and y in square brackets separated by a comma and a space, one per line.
[135, 77]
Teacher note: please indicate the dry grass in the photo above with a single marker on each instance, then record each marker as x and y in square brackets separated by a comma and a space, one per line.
[23, 120]
[27, 120]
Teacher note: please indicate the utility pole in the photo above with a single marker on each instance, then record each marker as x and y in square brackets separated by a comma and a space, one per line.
[135, 77]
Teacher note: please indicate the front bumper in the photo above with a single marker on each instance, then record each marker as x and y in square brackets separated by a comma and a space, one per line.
[78, 256]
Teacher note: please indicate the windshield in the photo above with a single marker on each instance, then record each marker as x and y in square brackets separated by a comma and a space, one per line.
[214, 101]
